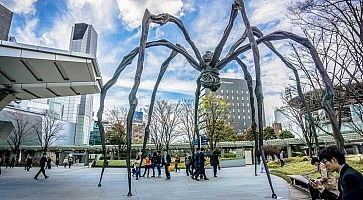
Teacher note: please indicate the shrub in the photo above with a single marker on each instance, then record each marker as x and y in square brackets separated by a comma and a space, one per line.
[298, 154]
[230, 155]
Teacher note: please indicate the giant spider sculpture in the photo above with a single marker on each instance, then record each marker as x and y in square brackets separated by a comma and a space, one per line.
[209, 65]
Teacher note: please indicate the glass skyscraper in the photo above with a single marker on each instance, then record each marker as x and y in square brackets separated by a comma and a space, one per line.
[78, 109]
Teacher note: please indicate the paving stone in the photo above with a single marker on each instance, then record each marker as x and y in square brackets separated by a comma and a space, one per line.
[81, 183]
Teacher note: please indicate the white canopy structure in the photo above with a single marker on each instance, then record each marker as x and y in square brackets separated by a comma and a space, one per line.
[30, 72]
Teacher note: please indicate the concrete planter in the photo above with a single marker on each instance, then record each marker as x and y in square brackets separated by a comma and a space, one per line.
[233, 163]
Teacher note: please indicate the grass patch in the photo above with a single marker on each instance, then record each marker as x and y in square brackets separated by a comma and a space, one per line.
[297, 166]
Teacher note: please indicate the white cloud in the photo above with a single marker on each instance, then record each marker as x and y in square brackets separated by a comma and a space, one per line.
[26, 34]
[131, 11]
[21, 7]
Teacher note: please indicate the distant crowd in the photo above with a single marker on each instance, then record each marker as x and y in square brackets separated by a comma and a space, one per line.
[194, 164]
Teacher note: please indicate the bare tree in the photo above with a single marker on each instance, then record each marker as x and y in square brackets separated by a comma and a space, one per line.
[164, 123]
[22, 131]
[187, 121]
[48, 130]
[117, 134]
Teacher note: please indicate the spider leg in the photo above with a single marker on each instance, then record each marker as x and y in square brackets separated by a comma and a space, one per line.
[164, 18]
[152, 101]
[196, 123]
[307, 113]
[239, 42]
[258, 88]
[248, 79]
[329, 91]
[227, 31]
[127, 60]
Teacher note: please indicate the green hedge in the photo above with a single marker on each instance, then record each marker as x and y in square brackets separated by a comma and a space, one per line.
[230, 155]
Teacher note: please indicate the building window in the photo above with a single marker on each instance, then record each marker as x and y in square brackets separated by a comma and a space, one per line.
[248, 111]
[244, 117]
[226, 97]
[249, 117]
[242, 98]
[227, 91]
[237, 97]
[232, 91]
[232, 97]
[239, 117]
[237, 91]
[221, 91]
[242, 91]
[237, 103]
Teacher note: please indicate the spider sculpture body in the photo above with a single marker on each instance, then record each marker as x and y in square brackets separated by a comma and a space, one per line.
[209, 66]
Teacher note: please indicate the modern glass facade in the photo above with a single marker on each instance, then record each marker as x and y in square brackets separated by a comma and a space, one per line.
[83, 39]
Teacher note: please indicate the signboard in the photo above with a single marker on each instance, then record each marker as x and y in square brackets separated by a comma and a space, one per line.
[203, 139]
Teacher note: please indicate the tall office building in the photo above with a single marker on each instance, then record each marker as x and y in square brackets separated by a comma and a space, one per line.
[236, 92]
[83, 39]
[79, 109]
[5, 22]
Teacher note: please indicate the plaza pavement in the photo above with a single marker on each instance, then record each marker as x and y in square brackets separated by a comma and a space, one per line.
[80, 183]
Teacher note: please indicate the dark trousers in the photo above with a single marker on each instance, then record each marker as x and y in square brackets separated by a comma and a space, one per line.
[41, 170]
[158, 168]
[200, 171]
[187, 170]
[147, 167]
[282, 162]
[28, 166]
[167, 173]
[215, 170]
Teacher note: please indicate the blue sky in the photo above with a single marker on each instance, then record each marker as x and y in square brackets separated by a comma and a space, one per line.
[48, 23]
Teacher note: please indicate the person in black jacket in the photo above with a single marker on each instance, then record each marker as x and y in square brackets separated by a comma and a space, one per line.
[42, 163]
[350, 184]
[214, 162]
[166, 160]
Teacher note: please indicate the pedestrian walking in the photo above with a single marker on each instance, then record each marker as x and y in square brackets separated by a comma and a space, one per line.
[12, 162]
[29, 162]
[49, 163]
[7, 162]
[282, 161]
[153, 163]
[147, 162]
[262, 166]
[136, 170]
[214, 162]
[187, 162]
[57, 161]
[65, 162]
[200, 165]
[70, 162]
[176, 163]
[42, 164]
[166, 160]
[158, 163]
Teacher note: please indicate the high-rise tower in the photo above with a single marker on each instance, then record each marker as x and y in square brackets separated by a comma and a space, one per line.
[83, 39]
[5, 22]
[235, 91]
